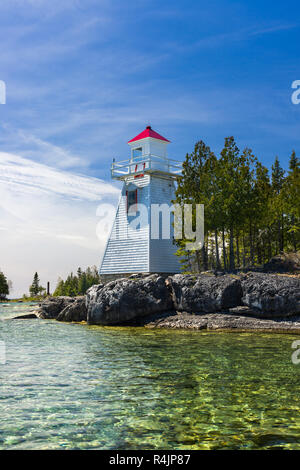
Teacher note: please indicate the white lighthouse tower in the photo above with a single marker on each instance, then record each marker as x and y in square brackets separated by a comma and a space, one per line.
[148, 178]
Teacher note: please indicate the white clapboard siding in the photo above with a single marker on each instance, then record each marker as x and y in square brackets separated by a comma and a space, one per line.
[162, 252]
[127, 251]
[132, 252]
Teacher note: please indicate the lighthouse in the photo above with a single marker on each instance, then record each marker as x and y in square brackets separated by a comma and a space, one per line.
[142, 236]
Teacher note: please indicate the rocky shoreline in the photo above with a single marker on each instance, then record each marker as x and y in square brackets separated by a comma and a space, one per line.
[251, 302]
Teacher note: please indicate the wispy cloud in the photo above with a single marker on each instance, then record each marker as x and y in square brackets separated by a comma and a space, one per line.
[227, 38]
[46, 215]
[18, 172]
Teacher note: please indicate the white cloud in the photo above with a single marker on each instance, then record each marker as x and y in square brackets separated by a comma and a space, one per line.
[42, 149]
[48, 220]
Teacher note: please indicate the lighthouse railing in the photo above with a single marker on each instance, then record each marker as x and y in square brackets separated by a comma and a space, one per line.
[145, 164]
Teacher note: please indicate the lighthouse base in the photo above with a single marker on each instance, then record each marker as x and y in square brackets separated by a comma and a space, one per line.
[106, 278]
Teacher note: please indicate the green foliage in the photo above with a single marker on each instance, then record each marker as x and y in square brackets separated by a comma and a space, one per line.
[79, 284]
[4, 286]
[36, 289]
[249, 215]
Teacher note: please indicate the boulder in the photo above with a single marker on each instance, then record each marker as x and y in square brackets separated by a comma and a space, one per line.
[284, 262]
[76, 311]
[51, 307]
[125, 299]
[204, 293]
[271, 294]
[25, 317]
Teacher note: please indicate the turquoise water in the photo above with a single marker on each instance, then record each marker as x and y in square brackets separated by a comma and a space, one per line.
[73, 386]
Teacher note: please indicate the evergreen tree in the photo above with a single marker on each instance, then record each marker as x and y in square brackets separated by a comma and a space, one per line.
[4, 286]
[79, 284]
[36, 289]
[277, 201]
[249, 216]
[291, 201]
[195, 187]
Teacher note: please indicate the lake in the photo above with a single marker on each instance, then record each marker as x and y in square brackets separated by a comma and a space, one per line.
[74, 386]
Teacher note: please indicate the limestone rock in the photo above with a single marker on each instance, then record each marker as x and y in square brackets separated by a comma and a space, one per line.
[204, 293]
[51, 307]
[271, 294]
[124, 299]
[76, 311]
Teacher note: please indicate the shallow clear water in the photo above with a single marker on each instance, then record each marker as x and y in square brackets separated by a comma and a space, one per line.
[73, 386]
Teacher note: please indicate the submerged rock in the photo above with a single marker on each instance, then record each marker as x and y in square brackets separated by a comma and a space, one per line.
[25, 317]
[76, 311]
[125, 299]
[270, 294]
[204, 293]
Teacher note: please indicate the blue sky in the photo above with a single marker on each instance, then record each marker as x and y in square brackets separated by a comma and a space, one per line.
[83, 77]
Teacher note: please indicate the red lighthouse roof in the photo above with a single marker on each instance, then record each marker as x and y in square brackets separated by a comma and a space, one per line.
[148, 132]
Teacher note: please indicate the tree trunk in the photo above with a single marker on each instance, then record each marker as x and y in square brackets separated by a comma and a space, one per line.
[237, 250]
[258, 247]
[224, 250]
[282, 234]
[218, 264]
[269, 245]
[279, 234]
[293, 235]
[204, 257]
[199, 264]
[251, 246]
[231, 250]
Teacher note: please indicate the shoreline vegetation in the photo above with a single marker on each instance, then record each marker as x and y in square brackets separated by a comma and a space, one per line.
[251, 214]
[74, 285]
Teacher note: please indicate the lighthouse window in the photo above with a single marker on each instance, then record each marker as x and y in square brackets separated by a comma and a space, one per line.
[137, 152]
[131, 200]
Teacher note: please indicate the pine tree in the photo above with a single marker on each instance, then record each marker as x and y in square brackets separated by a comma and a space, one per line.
[36, 289]
[277, 201]
[249, 215]
[291, 201]
[4, 286]
[195, 187]
[229, 184]
[79, 284]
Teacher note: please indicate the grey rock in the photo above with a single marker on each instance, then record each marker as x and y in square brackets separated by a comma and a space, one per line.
[51, 307]
[25, 317]
[229, 321]
[284, 262]
[76, 311]
[124, 299]
[271, 294]
[204, 293]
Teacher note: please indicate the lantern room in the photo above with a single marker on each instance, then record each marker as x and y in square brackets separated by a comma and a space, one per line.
[148, 155]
